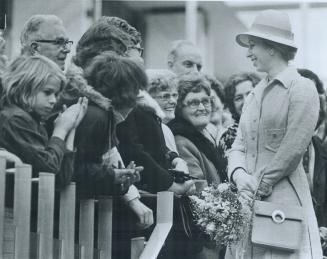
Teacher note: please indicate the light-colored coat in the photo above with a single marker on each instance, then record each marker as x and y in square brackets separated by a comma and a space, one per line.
[198, 164]
[276, 126]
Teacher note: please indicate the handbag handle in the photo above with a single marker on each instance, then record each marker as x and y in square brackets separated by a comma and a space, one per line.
[259, 181]
[288, 179]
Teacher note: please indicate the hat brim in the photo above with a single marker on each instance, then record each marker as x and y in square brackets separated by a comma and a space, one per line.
[243, 39]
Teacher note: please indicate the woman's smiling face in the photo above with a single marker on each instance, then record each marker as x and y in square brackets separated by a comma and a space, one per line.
[197, 109]
[167, 101]
[259, 54]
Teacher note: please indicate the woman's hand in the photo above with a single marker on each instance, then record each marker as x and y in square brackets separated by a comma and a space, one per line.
[124, 175]
[265, 189]
[137, 169]
[144, 214]
[180, 165]
[182, 188]
[245, 181]
[323, 237]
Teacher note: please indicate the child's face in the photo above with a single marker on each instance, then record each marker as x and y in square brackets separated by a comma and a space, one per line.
[46, 98]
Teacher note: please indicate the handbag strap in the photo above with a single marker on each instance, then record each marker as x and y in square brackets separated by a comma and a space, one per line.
[185, 220]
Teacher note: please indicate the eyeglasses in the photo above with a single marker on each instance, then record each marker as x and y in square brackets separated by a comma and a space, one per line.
[60, 42]
[195, 103]
[167, 96]
[138, 49]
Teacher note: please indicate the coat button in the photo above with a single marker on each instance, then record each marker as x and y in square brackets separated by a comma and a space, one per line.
[253, 138]
[274, 135]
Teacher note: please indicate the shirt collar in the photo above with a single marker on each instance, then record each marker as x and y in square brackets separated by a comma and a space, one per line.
[118, 117]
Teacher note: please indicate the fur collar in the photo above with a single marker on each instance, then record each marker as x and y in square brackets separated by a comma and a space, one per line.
[180, 126]
[77, 86]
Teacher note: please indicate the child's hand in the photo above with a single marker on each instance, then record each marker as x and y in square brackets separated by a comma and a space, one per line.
[71, 116]
[10, 157]
[83, 108]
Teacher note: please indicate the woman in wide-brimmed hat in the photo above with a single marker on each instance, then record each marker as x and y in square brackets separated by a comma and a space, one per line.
[276, 126]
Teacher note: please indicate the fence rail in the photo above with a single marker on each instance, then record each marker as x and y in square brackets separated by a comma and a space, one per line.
[16, 241]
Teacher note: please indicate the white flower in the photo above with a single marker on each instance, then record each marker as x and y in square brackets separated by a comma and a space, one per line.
[218, 213]
[222, 187]
[211, 227]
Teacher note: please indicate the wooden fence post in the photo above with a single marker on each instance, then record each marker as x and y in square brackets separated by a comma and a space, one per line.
[46, 214]
[86, 227]
[165, 202]
[137, 247]
[67, 221]
[2, 200]
[22, 210]
[105, 228]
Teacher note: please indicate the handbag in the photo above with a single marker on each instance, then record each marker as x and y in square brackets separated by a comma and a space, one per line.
[277, 226]
[187, 231]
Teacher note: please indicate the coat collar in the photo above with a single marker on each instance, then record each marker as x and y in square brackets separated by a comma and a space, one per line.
[78, 86]
[283, 79]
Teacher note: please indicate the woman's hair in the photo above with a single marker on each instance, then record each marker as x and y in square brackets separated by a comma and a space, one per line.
[25, 78]
[160, 80]
[117, 78]
[106, 34]
[314, 77]
[320, 89]
[217, 86]
[286, 52]
[230, 89]
[190, 83]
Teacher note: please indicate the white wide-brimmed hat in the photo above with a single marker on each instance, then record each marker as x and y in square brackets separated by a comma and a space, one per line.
[270, 25]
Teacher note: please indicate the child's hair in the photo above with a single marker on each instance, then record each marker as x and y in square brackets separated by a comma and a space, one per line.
[26, 76]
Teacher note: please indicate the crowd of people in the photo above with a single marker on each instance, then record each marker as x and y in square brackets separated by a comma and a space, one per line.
[118, 129]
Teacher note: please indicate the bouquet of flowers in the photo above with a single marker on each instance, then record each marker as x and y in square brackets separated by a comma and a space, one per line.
[219, 213]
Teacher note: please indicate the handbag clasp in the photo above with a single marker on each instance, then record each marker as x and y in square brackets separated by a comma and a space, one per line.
[278, 216]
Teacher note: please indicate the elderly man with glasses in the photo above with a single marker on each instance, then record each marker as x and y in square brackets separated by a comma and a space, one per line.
[46, 35]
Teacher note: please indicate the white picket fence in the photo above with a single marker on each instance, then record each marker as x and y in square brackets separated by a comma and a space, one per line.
[15, 236]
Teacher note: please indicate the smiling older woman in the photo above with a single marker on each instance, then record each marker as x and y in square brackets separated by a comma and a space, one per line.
[193, 114]
[163, 88]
